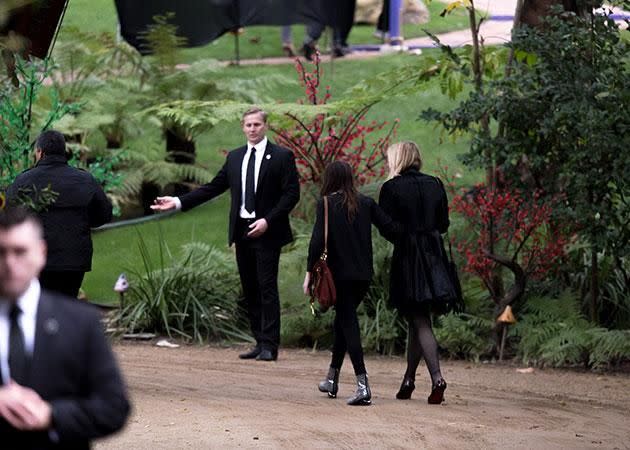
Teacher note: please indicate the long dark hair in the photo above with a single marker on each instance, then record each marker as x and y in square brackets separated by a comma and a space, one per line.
[338, 178]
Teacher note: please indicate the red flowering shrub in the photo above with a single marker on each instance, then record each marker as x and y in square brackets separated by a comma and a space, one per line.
[334, 136]
[527, 241]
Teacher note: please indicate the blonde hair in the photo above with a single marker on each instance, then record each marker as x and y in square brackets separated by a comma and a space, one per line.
[254, 110]
[402, 156]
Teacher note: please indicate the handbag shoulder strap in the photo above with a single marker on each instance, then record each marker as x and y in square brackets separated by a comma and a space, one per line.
[448, 237]
[325, 224]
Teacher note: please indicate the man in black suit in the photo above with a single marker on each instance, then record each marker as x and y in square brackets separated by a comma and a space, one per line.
[80, 205]
[263, 181]
[60, 386]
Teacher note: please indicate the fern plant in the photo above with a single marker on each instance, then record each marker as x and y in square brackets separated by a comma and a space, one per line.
[554, 332]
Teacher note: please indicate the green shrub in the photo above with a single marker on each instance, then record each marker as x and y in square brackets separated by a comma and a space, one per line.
[194, 296]
[463, 335]
[554, 332]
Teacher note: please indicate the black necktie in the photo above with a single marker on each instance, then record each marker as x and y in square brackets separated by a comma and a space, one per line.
[17, 354]
[250, 191]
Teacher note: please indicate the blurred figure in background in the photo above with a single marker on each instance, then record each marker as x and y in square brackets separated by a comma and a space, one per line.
[382, 24]
[287, 41]
[80, 205]
[341, 32]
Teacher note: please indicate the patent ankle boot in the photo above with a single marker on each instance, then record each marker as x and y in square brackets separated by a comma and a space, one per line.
[331, 384]
[363, 395]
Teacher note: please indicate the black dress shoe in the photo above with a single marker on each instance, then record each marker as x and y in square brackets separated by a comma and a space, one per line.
[437, 393]
[406, 388]
[267, 355]
[309, 51]
[253, 353]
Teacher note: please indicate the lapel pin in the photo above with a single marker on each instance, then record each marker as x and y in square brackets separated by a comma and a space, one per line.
[51, 326]
[268, 156]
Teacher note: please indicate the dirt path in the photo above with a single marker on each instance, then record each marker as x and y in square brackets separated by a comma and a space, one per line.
[205, 397]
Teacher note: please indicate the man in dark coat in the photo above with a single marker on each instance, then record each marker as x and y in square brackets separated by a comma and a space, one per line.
[263, 181]
[60, 386]
[80, 204]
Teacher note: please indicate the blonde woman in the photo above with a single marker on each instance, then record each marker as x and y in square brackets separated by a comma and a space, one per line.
[418, 279]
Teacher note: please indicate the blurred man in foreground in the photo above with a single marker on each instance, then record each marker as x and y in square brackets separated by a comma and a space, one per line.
[60, 385]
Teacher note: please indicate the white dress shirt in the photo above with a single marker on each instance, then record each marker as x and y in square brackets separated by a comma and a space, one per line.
[260, 152]
[28, 303]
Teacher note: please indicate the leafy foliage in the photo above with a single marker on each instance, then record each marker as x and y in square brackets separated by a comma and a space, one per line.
[464, 335]
[194, 296]
[528, 242]
[326, 138]
[554, 332]
[467, 335]
[554, 124]
[37, 200]
[21, 119]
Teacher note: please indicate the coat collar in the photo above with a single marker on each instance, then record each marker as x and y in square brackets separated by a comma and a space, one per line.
[53, 160]
[411, 171]
[264, 166]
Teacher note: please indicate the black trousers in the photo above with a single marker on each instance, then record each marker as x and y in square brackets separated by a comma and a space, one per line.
[258, 270]
[347, 334]
[345, 21]
[67, 282]
[383, 19]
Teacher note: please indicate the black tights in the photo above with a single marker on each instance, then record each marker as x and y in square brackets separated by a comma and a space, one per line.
[346, 326]
[422, 343]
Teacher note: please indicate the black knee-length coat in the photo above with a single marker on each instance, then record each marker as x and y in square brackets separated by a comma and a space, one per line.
[418, 277]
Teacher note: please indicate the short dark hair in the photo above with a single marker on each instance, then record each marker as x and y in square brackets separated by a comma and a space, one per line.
[51, 142]
[17, 215]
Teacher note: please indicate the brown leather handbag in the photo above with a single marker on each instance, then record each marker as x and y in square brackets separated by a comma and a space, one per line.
[322, 284]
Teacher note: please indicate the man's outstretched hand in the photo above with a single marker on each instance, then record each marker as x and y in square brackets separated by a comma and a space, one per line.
[164, 204]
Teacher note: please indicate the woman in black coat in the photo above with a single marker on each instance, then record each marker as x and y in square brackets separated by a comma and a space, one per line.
[419, 283]
[350, 216]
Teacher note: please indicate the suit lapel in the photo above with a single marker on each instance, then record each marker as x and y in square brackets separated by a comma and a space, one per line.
[46, 328]
[264, 167]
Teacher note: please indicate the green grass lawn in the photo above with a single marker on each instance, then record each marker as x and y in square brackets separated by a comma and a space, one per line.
[116, 250]
[257, 41]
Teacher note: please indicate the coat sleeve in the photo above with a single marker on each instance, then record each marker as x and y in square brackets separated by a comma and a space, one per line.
[99, 208]
[442, 221]
[388, 228]
[290, 186]
[104, 408]
[12, 192]
[387, 199]
[316, 246]
[219, 184]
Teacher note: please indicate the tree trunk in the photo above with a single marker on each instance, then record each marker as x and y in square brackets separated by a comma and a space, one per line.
[510, 297]
[496, 281]
[180, 150]
[594, 285]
